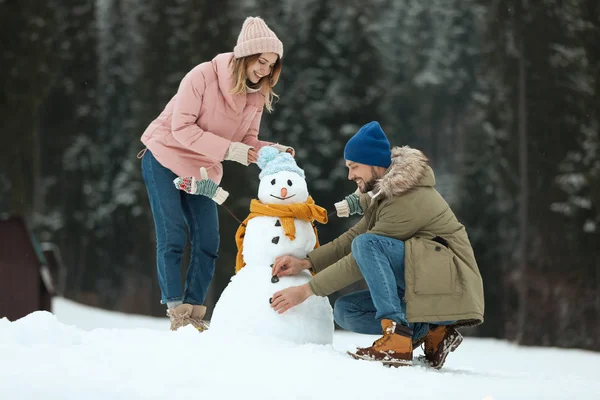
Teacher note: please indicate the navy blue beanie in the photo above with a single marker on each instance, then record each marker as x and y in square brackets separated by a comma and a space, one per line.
[369, 146]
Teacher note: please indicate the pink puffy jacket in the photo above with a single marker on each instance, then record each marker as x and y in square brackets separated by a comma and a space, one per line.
[202, 119]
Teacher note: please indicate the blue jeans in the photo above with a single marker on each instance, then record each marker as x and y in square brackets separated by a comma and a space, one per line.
[381, 262]
[174, 210]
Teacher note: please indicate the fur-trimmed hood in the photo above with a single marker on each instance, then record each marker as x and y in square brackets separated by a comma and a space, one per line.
[410, 168]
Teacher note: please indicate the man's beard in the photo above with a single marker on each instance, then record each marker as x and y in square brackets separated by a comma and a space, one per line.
[370, 185]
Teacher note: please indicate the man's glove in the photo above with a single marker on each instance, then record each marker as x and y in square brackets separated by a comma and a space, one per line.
[204, 187]
[238, 152]
[349, 206]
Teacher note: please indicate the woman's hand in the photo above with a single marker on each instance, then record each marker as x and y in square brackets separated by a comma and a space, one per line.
[240, 152]
[252, 156]
[290, 297]
[204, 186]
[287, 149]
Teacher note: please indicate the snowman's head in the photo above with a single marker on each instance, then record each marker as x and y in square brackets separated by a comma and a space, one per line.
[281, 180]
[282, 188]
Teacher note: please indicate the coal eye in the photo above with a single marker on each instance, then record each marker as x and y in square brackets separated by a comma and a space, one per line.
[289, 182]
[273, 182]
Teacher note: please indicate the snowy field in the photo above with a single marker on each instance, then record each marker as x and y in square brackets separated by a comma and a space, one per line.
[85, 353]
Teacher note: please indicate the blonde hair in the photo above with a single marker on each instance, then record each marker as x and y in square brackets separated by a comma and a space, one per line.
[239, 66]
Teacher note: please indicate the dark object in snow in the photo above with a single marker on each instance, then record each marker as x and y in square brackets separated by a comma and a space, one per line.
[270, 300]
[30, 271]
[278, 223]
[274, 279]
[275, 239]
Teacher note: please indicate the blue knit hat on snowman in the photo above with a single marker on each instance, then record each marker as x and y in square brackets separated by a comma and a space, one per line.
[271, 161]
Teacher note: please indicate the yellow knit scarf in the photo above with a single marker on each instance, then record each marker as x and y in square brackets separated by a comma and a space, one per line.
[286, 213]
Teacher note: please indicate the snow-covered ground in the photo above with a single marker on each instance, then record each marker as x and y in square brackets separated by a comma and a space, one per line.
[85, 353]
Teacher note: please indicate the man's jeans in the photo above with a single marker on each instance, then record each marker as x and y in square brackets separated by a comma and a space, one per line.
[381, 262]
[173, 211]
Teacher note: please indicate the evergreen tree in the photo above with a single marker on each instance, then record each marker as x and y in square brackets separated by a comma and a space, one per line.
[28, 62]
[71, 155]
[542, 32]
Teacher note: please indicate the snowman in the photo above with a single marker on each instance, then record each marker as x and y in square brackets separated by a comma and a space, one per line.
[280, 223]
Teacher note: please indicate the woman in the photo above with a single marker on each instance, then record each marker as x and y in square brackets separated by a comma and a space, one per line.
[214, 116]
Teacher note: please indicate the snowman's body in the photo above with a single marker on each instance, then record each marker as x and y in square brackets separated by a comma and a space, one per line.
[256, 251]
[244, 306]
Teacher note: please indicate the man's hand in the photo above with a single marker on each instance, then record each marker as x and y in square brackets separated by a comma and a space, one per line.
[289, 265]
[290, 297]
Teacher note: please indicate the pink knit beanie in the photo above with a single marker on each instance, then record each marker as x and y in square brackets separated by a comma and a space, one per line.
[256, 38]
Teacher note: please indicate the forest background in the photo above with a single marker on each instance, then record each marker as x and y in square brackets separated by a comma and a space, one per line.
[502, 96]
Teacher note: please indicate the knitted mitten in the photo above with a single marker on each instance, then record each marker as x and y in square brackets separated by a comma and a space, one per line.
[284, 149]
[204, 187]
[349, 206]
[238, 152]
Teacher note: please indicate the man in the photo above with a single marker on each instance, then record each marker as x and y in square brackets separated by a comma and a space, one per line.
[414, 255]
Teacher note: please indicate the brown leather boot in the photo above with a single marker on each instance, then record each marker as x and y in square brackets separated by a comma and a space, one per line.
[394, 348]
[185, 314]
[439, 342]
[197, 316]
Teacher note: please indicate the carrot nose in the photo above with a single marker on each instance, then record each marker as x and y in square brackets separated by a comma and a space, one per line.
[283, 193]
